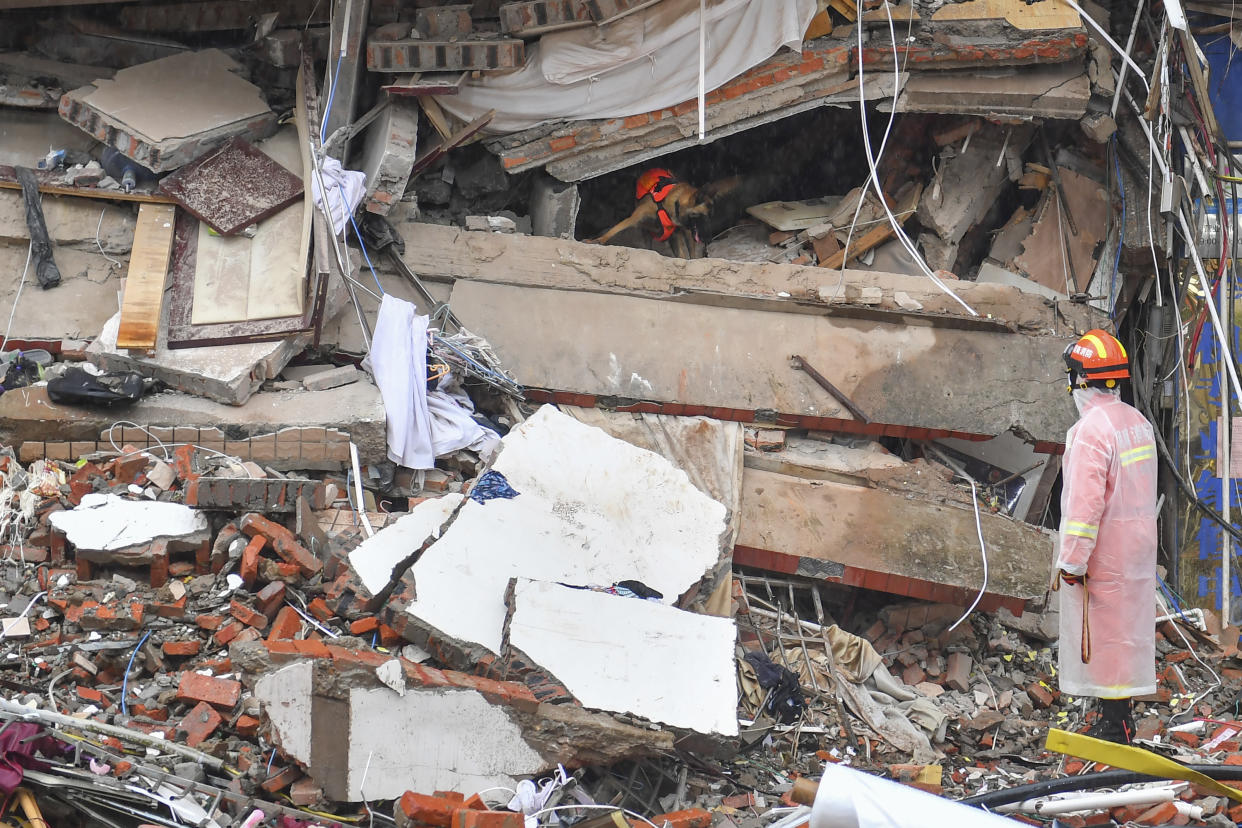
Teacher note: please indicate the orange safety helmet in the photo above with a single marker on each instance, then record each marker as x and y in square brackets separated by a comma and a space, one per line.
[1097, 355]
[658, 183]
[654, 182]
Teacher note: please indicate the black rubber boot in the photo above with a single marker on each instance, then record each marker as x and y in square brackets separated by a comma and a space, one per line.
[1116, 723]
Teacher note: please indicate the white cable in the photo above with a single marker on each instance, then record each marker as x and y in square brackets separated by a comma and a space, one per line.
[1110, 42]
[871, 161]
[20, 284]
[98, 227]
[983, 550]
[702, 68]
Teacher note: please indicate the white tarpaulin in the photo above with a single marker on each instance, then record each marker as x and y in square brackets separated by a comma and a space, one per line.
[852, 799]
[645, 61]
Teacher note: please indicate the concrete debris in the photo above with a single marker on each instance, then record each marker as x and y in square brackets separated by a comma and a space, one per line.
[168, 112]
[776, 488]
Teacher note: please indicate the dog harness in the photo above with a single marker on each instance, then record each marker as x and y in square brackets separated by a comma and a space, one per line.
[658, 183]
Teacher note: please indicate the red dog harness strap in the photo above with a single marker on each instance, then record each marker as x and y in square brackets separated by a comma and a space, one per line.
[658, 183]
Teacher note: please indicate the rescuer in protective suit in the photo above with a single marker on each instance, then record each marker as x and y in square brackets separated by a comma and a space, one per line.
[1106, 560]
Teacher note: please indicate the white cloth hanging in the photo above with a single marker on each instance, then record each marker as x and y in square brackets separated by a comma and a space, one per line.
[421, 426]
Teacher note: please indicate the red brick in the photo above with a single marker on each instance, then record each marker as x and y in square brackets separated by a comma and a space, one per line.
[173, 609]
[90, 694]
[1040, 696]
[200, 723]
[181, 648]
[364, 625]
[1162, 814]
[1189, 739]
[957, 673]
[249, 569]
[225, 635]
[210, 622]
[158, 714]
[221, 693]
[286, 625]
[270, 598]
[247, 615]
[281, 779]
[389, 636]
[469, 818]
[246, 726]
[284, 543]
[248, 634]
[429, 810]
[305, 792]
[689, 818]
[320, 609]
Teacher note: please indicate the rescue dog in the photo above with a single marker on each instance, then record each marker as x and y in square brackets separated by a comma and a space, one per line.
[672, 211]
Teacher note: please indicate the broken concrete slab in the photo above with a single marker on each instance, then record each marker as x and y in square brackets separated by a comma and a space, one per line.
[991, 273]
[590, 509]
[623, 654]
[440, 253]
[230, 374]
[389, 146]
[969, 180]
[27, 135]
[107, 523]
[373, 560]
[889, 542]
[907, 378]
[1058, 90]
[165, 113]
[449, 731]
[34, 82]
[70, 221]
[356, 409]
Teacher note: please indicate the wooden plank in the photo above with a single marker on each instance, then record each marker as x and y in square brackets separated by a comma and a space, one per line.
[879, 233]
[433, 83]
[8, 181]
[1050, 14]
[144, 283]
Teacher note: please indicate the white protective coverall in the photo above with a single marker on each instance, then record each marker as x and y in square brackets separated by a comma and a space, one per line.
[1108, 532]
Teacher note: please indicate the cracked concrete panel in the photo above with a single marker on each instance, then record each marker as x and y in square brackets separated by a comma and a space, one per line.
[378, 745]
[86, 297]
[373, 559]
[970, 382]
[969, 180]
[1047, 91]
[623, 654]
[893, 534]
[77, 221]
[591, 509]
[286, 698]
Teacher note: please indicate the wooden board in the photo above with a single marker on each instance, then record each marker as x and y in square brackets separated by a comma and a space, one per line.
[1049, 14]
[47, 186]
[426, 83]
[239, 279]
[877, 234]
[144, 284]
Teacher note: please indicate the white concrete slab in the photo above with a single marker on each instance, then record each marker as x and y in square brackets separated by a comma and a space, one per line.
[627, 655]
[443, 740]
[374, 558]
[591, 510]
[287, 697]
[106, 522]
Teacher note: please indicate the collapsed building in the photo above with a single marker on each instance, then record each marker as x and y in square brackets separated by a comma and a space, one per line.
[593, 411]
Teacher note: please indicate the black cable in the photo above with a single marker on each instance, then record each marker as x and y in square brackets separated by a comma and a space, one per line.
[1089, 781]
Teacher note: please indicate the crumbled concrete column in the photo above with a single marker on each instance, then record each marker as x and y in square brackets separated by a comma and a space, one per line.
[554, 207]
[387, 156]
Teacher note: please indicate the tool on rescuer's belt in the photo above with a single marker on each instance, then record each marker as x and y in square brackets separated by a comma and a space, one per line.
[1079, 580]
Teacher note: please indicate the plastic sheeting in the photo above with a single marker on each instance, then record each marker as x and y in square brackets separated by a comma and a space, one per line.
[645, 61]
[852, 799]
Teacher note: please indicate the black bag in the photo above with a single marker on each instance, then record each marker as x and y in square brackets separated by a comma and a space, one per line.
[77, 387]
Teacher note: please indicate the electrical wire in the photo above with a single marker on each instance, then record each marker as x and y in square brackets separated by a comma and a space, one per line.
[128, 668]
[21, 283]
[871, 161]
[983, 550]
